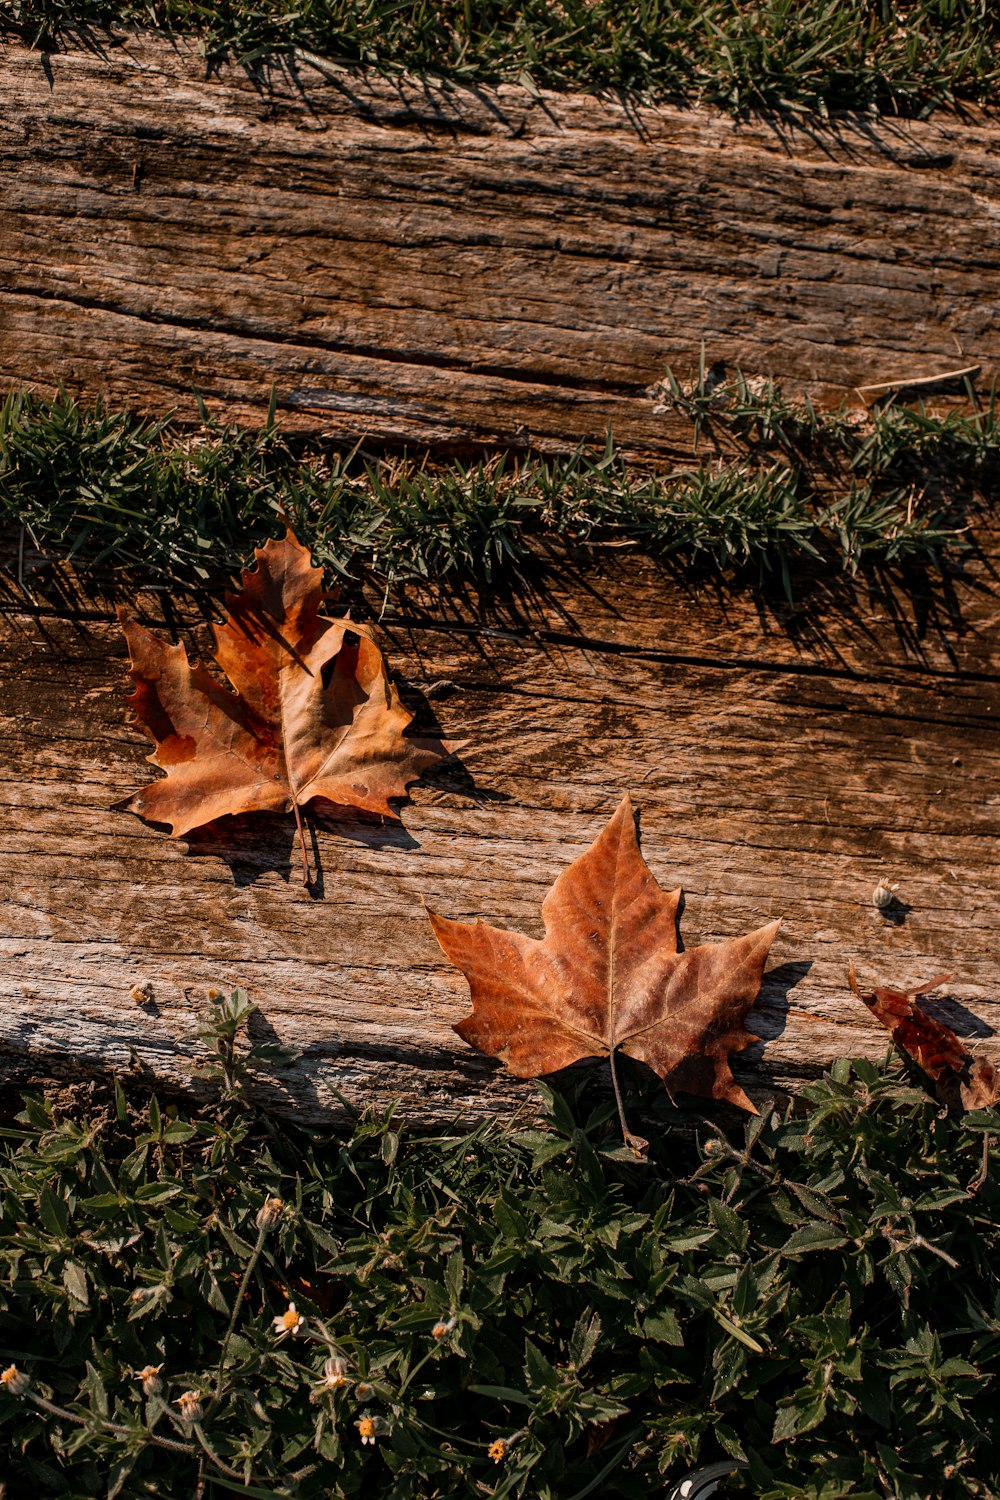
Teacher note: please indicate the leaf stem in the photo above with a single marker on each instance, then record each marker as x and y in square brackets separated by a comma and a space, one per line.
[117, 1429]
[213, 1457]
[415, 1370]
[635, 1143]
[302, 838]
[983, 1173]
[250, 1268]
[626, 1133]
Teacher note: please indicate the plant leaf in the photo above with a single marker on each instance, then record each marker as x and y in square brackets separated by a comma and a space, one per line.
[313, 714]
[962, 1081]
[608, 974]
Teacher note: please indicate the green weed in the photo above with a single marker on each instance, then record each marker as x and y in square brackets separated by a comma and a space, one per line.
[112, 490]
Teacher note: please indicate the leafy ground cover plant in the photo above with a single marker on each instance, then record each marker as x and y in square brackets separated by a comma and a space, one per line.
[110, 488]
[214, 1302]
[904, 58]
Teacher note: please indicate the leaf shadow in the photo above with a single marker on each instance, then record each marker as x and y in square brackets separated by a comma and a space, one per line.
[255, 845]
[769, 1016]
[451, 774]
[953, 1013]
[332, 1078]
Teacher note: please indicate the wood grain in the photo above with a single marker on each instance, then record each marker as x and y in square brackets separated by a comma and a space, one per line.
[777, 775]
[459, 267]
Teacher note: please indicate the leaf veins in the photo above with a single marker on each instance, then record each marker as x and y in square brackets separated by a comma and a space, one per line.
[311, 711]
[609, 975]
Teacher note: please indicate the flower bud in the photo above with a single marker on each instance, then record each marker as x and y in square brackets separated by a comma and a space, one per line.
[152, 1385]
[191, 1407]
[14, 1381]
[334, 1373]
[269, 1214]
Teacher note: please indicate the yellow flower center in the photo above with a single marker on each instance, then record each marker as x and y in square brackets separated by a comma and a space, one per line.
[366, 1427]
[291, 1319]
[498, 1450]
[9, 1375]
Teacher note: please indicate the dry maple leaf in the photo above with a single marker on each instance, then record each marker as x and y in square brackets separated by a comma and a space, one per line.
[962, 1081]
[311, 711]
[608, 975]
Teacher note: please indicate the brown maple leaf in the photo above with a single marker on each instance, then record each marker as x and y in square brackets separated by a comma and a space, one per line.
[962, 1081]
[608, 975]
[311, 711]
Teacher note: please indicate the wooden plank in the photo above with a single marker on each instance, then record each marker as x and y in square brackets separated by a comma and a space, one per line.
[433, 264]
[776, 776]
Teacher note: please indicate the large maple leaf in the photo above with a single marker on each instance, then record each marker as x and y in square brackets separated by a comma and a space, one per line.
[962, 1080]
[609, 975]
[311, 711]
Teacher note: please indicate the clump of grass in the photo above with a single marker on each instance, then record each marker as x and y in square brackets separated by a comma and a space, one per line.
[218, 1302]
[108, 485]
[883, 527]
[901, 58]
[904, 441]
[110, 489]
[740, 518]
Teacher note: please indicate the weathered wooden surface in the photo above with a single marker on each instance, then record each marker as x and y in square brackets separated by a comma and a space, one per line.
[464, 266]
[781, 766]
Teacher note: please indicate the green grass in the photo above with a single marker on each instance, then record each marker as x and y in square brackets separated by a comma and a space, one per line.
[816, 1293]
[834, 55]
[800, 490]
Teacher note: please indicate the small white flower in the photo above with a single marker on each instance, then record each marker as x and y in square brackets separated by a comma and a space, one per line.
[442, 1330]
[289, 1322]
[363, 1391]
[369, 1428]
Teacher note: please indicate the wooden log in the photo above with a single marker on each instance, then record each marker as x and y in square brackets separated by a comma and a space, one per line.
[782, 762]
[421, 263]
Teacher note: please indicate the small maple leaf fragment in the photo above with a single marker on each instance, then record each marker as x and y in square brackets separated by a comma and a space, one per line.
[608, 975]
[311, 711]
[962, 1081]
